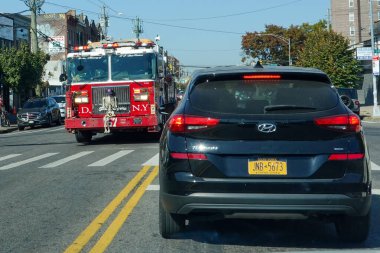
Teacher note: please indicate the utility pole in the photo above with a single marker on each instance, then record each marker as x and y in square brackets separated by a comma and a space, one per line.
[137, 27]
[376, 111]
[328, 19]
[104, 22]
[34, 6]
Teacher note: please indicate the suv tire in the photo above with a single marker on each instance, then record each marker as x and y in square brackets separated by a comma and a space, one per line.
[170, 223]
[353, 228]
[83, 136]
[21, 128]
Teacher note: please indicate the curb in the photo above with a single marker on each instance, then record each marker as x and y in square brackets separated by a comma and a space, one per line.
[4, 130]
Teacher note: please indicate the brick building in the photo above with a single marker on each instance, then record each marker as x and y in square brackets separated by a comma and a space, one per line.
[58, 33]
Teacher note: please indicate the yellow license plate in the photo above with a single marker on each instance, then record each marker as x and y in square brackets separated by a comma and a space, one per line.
[267, 167]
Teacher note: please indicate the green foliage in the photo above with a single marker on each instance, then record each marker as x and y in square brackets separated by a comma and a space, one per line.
[330, 52]
[271, 45]
[22, 70]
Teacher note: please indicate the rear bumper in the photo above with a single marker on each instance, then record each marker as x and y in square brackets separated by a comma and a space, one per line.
[230, 203]
[115, 124]
[184, 193]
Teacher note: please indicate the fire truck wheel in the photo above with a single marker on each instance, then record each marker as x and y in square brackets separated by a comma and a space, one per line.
[83, 136]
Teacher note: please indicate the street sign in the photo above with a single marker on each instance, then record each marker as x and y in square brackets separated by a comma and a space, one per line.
[375, 65]
[363, 53]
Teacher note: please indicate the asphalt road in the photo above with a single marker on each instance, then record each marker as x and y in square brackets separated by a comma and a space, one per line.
[57, 196]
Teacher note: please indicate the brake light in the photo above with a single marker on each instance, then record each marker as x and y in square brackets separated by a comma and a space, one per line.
[190, 156]
[341, 157]
[345, 123]
[188, 123]
[261, 76]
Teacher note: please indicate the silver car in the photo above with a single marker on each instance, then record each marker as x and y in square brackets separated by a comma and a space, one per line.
[61, 101]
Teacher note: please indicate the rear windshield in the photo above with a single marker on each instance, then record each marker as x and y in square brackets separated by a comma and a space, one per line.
[60, 99]
[35, 104]
[263, 96]
[352, 93]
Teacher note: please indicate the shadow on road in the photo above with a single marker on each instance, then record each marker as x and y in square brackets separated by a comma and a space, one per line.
[125, 138]
[300, 234]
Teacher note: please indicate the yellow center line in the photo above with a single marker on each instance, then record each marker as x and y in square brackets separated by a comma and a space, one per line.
[96, 224]
[117, 223]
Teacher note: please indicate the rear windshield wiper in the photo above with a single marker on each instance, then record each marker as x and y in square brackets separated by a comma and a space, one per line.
[269, 108]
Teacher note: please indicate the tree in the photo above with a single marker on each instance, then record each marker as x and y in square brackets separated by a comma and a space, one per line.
[22, 70]
[271, 45]
[330, 52]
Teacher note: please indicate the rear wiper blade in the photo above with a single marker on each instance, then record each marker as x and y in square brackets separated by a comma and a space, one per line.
[287, 107]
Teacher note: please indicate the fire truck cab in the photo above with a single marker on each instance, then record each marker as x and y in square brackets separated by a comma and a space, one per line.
[117, 86]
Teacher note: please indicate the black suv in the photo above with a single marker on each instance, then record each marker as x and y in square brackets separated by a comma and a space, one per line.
[38, 111]
[272, 140]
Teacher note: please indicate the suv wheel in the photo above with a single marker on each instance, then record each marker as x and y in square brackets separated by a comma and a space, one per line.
[21, 128]
[170, 223]
[83, 136]
[353, 228]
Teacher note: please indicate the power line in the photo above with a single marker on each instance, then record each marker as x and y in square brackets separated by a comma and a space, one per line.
[231, 15]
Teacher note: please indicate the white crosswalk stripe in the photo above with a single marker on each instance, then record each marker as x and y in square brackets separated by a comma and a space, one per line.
[110, 158]
[65, 160]
[8, 157]
[33, 159]
[152, 161]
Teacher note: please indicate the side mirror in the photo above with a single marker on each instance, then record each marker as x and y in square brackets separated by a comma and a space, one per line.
[62, 77]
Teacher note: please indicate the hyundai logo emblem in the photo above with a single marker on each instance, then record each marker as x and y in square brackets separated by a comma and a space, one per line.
[266, 127]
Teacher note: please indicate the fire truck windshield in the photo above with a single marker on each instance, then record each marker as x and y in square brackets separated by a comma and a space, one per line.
[88, 69]
[133, 66]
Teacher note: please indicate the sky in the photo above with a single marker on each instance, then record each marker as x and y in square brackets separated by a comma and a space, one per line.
[196, 32]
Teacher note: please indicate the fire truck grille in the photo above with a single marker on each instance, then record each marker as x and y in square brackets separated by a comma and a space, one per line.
[121, 93]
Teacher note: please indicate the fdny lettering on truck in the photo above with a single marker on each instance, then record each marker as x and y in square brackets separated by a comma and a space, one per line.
[140, 108]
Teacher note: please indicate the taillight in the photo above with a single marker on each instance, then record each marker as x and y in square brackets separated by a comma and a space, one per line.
[190, 156]
[187, 123]
[345, 123]
[340, 157]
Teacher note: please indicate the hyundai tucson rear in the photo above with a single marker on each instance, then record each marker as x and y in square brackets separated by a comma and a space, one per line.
[266, 141]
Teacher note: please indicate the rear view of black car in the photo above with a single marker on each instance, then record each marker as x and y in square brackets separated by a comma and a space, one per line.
[272, 140]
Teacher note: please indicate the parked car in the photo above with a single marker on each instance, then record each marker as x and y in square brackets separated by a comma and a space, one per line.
[38, 111]
[350, 99]
[61, 101]
[272, 141]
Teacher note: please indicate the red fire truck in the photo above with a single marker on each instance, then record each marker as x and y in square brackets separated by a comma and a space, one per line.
[117, 86]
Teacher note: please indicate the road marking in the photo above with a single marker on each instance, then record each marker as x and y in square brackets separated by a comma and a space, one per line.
[110, 158]
[374, 166]
[152, 161]
[96, 224]
[8, 157]
[65, 160]
[31, 131]
[153, 187]
[104, 241]
[33, 159]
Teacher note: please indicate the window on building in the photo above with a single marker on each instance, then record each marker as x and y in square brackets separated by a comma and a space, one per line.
[351, 3]
[378, 15]
[378, 2]
[352, 31]
[351, 17]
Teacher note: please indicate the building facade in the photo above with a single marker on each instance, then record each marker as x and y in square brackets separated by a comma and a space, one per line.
[58, 33]
[351, 19]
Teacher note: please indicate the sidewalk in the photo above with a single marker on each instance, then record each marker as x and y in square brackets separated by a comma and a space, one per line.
[11, 128]
[366, 114]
